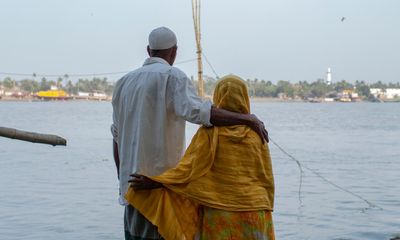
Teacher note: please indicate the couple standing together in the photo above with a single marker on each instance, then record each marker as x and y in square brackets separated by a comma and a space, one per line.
[221, 187]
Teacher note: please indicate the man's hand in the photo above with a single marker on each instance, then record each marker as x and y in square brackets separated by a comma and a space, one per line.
[259, 128]
[140, 182]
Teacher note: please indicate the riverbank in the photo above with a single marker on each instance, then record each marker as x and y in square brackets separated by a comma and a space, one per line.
[279, 100]
[253, 99]
[35, 99]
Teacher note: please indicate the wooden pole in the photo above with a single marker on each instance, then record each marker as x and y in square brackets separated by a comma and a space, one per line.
[196, 23]
[32, 137]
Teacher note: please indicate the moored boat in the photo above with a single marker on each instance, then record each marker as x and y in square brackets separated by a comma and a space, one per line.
[52, 94]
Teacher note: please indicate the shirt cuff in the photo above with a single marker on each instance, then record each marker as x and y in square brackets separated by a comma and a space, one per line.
[205, 113]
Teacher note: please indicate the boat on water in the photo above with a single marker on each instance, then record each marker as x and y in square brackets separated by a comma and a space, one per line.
[314, 100]
[52, 94]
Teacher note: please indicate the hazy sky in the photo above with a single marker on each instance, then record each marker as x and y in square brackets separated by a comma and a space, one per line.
[271, 40]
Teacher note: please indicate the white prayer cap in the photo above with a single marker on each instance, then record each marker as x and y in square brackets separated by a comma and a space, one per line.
[162, 38]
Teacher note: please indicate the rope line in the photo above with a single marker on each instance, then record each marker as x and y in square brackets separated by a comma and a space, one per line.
[80, 74]
[209, 64]
[301, 166]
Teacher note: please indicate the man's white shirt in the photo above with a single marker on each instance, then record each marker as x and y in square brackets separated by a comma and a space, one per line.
[150, 108]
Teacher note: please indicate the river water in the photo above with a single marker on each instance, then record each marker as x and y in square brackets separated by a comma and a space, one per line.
[71, 192]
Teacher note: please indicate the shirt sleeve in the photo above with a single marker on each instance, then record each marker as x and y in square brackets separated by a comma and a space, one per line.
[114, 132]
[114, 125]
[187, 104]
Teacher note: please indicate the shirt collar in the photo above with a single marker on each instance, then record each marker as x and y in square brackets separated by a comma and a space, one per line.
[152, 60]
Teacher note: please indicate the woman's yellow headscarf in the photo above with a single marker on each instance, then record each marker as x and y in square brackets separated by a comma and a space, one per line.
[227, 168]
[231, 94]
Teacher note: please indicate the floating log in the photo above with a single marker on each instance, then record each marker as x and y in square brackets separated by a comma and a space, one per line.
[32, 136]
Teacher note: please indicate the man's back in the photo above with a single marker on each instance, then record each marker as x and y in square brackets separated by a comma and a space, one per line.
[150, 107]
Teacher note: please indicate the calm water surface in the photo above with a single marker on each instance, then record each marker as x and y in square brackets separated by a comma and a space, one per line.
[71, 192]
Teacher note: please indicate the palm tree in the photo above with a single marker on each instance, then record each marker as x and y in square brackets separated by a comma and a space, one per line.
[59, 82]
[66, 76]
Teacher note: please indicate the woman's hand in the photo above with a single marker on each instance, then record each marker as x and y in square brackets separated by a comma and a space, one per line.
[141, 182]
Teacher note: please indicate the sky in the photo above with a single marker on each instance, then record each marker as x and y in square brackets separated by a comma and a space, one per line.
[271, 40]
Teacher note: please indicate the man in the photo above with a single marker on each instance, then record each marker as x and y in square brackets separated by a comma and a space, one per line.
[150, 107]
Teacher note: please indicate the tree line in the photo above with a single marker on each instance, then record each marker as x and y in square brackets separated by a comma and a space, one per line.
[82, 85]
[304, 89]
[256, 87]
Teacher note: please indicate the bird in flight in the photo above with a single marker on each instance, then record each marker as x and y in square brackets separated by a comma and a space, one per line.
[343, 18]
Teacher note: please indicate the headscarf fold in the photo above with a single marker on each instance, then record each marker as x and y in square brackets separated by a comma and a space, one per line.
[227, 168]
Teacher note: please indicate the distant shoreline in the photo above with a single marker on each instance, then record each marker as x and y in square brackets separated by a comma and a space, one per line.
[32, 99]
[252, 99]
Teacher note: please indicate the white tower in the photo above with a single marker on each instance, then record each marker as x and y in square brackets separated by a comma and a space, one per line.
[329, 77]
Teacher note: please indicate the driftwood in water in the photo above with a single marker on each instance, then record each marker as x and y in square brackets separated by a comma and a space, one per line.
[32, 137]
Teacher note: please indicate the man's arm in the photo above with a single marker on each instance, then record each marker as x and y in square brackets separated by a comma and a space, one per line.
[188, 105]
[139, 182]
[116, 156]
[221, 117]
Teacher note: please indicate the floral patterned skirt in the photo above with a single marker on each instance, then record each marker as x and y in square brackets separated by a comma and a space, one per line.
[224, 225]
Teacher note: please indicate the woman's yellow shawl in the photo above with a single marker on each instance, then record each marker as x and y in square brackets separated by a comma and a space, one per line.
[224, 167]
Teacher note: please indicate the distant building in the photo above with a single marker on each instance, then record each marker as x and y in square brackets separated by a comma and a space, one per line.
[282, 96]
[8, 93]
[329, 77]
[392, 93]
[83, 94]
[376, 92]
[389, 93]
[99, 94]
[328, 99]
[348, 96]
[354, 95]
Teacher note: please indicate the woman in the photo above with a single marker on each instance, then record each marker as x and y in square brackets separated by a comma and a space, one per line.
[223, 188]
